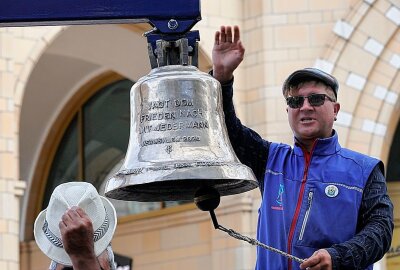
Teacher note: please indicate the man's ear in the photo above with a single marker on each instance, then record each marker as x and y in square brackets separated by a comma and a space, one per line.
[336, 108]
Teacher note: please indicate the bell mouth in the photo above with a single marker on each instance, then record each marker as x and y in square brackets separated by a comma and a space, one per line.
[180, 184]
[179, 190]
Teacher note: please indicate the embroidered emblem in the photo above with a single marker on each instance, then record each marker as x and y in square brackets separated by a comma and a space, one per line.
[280, 192]
[331, 191]
[279, 198]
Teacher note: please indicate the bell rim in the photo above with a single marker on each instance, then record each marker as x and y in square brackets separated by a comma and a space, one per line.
[184, 181]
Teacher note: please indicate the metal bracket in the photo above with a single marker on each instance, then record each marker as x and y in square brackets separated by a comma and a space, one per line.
[173, 50]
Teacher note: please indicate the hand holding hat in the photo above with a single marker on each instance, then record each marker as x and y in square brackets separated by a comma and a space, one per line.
[63, 212]
[77, 234]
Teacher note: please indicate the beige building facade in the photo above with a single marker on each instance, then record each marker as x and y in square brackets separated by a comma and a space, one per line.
[48, 74]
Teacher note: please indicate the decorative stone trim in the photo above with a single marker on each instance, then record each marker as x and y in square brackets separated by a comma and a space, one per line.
[10, 145]
[344, 119]
[19, 188]
[324, 65]
[384, 94]
[391, 97]
[369, 2]
[373, 46]
[395, 61]
[356, 81]
[393, 14]
[368, 126]
[373, 127]
[380, 129]
[343, 29]
[380, 92]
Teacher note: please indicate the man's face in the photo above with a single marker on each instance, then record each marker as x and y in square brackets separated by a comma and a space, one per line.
[311, 122]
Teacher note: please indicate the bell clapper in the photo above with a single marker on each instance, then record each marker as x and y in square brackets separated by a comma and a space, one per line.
[207, 199]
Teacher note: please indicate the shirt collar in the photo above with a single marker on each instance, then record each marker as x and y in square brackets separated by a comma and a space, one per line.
[322, 147]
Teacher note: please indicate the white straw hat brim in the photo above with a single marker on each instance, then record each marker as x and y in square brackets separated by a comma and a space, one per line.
[58, 254]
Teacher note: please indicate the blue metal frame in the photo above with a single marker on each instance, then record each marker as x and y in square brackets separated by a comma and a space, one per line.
[63, 12]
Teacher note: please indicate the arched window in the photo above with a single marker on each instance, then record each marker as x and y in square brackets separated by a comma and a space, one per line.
[94, 144]
[393, 166]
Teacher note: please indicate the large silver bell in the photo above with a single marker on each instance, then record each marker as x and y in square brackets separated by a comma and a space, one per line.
[178, 140]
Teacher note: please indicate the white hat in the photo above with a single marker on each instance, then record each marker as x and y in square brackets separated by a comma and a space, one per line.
[99, 209]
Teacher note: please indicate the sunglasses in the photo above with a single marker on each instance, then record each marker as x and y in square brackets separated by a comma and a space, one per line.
[315, 100]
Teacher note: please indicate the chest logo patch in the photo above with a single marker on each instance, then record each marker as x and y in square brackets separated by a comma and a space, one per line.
[279, 199]
[280, 192]
[331, 191]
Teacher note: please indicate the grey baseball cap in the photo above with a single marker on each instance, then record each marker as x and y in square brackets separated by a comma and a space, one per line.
[309, 74]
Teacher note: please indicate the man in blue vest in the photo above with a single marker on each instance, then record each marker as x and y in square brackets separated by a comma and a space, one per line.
[319, 201]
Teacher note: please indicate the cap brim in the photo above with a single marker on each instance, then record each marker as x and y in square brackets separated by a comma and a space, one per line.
[58, 254]
[306, 75]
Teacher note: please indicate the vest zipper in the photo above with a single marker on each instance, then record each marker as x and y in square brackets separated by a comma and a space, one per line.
[307, 157]
[309, 203]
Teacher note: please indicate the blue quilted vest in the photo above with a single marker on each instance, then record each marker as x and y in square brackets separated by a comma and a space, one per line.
[309, 201]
